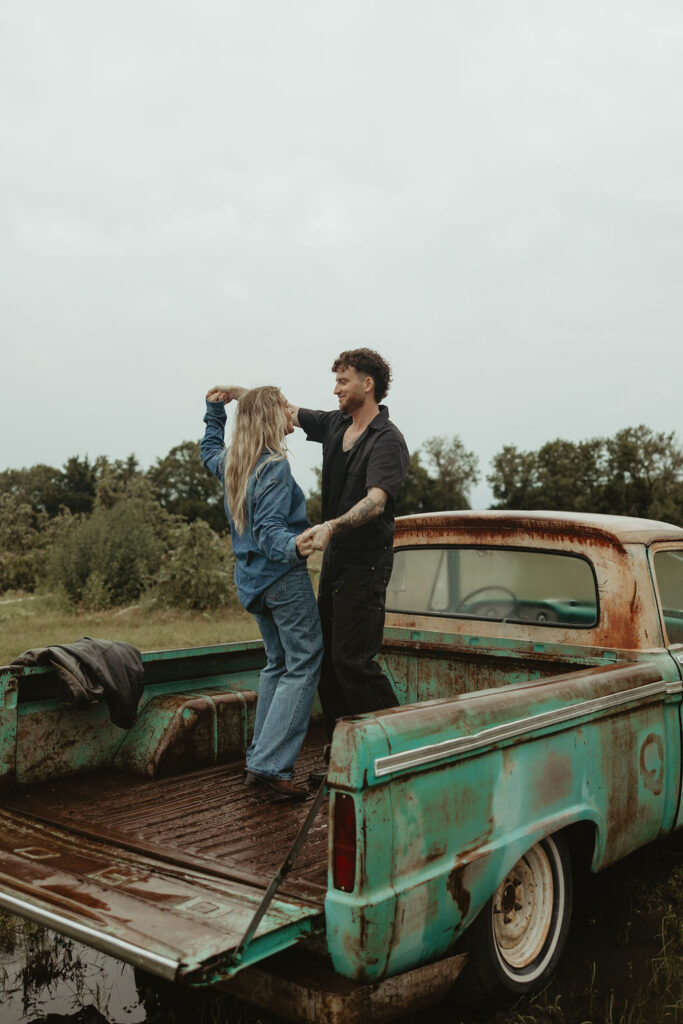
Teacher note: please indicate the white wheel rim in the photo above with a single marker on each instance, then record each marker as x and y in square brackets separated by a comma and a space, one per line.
[523, 908]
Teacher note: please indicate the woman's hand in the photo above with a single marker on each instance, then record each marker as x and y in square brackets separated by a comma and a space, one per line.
[304, 544]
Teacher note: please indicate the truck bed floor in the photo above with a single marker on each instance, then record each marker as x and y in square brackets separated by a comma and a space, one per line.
[206, 818]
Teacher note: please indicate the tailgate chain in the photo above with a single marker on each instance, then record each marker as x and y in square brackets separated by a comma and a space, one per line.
[282, 872]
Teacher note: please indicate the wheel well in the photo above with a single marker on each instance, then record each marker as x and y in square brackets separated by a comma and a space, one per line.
[581, 838]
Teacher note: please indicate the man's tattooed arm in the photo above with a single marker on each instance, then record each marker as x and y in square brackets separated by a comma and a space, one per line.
[366, 509]
[362, 512]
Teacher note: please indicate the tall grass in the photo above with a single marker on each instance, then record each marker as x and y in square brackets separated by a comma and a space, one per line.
[35, 620]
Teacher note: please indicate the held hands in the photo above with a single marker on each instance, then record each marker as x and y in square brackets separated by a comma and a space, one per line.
[304, 544]
[318, 536]
[224, 393]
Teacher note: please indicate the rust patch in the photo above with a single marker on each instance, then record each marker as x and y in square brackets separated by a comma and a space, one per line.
[461, 895]
[436, 850]
[353, 940]
[170, 898]
[636, 603]
[494, 525]
[554, 781]
[618, 776]
[75, 894]
[652, 763]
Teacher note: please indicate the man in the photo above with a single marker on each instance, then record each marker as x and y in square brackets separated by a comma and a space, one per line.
[365, 460]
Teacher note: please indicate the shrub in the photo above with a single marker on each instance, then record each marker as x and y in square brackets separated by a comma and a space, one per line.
[111, 556]
[198, 572]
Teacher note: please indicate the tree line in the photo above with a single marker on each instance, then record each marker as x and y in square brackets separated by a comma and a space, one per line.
[103, 532]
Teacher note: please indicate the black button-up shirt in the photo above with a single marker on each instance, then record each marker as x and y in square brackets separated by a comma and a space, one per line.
[379, 458]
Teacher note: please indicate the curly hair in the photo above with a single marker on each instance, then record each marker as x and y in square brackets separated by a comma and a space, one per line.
[368, 363]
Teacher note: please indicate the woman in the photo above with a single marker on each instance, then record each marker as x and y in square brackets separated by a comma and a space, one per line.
[266, 509]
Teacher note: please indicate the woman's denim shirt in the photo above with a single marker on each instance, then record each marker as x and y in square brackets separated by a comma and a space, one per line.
[276, 510]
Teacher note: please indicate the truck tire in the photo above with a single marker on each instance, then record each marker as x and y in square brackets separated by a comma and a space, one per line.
[517, 939]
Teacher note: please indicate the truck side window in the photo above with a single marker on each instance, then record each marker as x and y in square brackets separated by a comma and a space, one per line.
[669, 574]
[494, 583]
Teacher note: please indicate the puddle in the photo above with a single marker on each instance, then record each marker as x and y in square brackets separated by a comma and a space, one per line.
[47, 978]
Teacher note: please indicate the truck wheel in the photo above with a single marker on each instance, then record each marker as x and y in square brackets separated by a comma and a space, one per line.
[518, 938]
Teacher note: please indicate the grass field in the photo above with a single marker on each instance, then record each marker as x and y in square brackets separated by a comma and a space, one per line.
[38, 621]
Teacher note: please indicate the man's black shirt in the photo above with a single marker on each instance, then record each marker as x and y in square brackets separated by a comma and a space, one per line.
[379, 458]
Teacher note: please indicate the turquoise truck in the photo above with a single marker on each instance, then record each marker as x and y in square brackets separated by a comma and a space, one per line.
[538, 660]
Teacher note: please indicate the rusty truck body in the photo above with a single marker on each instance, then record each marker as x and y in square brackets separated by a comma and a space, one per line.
[538, 660]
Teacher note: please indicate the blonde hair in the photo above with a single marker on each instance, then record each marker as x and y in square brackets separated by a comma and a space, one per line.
[260, 425]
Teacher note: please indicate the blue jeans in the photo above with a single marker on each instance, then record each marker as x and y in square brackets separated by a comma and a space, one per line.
[290, 627]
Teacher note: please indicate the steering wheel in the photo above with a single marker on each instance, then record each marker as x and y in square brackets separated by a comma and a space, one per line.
[482, 590]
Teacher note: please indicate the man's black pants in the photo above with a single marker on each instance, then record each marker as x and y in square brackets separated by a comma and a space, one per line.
[351, 601]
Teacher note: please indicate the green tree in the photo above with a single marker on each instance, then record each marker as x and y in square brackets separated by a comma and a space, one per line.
[78, 485]
[453, 473]
[444, 484]
[39, 486]
[644, 474]
[25, 540]
[49, 490]
[186, 488]
[560, 475]
[512, 479]
[114, 479]
[637, 473]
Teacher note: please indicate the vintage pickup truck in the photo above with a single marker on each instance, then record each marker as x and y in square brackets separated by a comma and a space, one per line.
[538, 660]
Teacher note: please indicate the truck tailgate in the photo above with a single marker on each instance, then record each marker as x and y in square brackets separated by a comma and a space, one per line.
[177, 908]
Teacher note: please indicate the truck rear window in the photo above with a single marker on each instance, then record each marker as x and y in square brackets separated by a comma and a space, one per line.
[494, 583]
[669, 573]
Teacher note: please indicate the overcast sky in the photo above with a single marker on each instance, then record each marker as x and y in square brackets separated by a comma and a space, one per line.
[487, 191]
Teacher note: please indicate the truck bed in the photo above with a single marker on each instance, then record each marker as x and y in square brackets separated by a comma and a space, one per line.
[205, 819]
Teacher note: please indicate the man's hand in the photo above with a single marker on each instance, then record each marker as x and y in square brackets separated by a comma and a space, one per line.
[225, 393]
[320, 536]
[294, 412]
[362, 512]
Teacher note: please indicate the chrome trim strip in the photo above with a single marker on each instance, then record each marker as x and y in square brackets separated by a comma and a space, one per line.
[153, 962]
[510, 730]
[675, 687]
